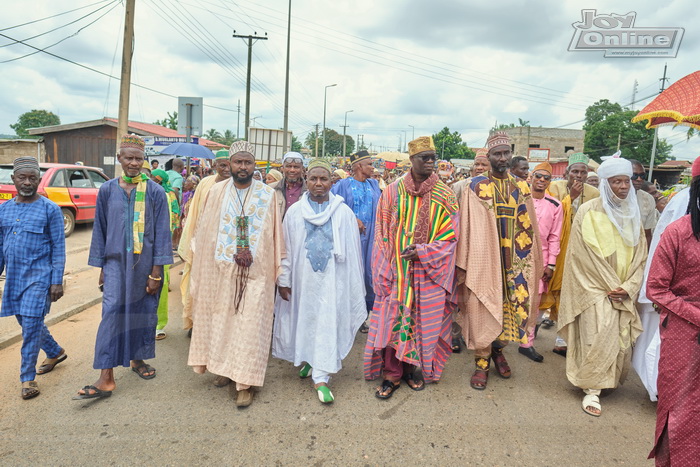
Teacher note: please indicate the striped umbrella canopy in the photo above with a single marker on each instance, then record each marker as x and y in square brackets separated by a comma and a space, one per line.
[677, 105]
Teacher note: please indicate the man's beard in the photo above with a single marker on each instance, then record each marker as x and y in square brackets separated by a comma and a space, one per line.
[27, 192]
[243, 180]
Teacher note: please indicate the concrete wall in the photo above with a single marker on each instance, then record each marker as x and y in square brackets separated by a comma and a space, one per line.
[11, 149]
[559, 141]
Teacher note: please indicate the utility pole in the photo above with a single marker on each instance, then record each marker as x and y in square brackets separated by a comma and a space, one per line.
[619, 138]
[316, 145]
[413, 132]
[323, 135]
[247, 83]
[634, 94]
[238, 121]
[656, 131]
[286, 84]
[345, 126]
[125, 83]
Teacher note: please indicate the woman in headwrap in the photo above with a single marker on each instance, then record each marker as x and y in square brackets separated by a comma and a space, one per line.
[273, 176]
[338, 174]
[161, 177]
[257, 176]
[189, 186]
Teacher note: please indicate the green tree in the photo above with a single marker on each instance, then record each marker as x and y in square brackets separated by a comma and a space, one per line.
[212, 135]
[296, 144]
[449, 145]
[169, 122]
[334, 143]
[34, 119]
[607, 122]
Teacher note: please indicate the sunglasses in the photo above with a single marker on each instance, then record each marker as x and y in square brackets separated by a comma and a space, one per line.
[636, 176]
[428, 158]
[546, 177]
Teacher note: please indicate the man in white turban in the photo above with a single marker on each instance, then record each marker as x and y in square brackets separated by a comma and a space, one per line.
[602, 278]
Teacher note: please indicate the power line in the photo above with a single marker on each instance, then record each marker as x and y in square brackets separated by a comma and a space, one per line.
[53, 16]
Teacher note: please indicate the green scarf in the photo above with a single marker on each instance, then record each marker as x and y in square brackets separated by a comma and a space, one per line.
[139, 209]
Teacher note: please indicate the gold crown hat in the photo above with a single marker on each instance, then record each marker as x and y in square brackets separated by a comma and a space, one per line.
[242, 146]
[498, 138]
[482, 152]
[421, 144]
[132, 141]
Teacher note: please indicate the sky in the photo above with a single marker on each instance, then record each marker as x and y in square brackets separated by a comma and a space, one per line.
[401, 68]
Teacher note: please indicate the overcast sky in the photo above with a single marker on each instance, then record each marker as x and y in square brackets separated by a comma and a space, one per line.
[396, 63]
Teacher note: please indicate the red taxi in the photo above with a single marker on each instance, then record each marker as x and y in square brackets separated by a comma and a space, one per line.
[73, 187]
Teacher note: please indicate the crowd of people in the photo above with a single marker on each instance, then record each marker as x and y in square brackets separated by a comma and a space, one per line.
[296, 262]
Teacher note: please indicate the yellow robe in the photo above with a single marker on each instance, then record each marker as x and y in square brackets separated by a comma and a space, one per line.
[185, 247]
[559, 190]
[599, 332]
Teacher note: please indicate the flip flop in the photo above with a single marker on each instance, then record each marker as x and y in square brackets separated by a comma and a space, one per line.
[47, 366]
[96, 394]
[146, 369]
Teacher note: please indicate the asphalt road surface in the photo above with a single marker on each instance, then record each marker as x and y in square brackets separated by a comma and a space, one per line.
[180, 418]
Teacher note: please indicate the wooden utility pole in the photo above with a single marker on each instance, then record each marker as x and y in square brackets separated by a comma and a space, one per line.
[285, 129]
[247, 83]
[316, 145]
[125, 83]
[656, 132]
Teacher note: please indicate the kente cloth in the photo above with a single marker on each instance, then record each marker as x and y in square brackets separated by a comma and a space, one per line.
[327, 306]
[32, 255]
[674, 285]
[129, 318]
[409, 312]
[645, 356]
[139, 210]
[549, 221]
[599, 332]
[226, 342]
[499, 261]
[362, 198]
[558, 189]
[185, 250]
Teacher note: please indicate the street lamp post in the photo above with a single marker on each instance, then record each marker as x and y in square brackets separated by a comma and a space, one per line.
[404, 141]
[413, 132]
[325, 92]
[345, 126]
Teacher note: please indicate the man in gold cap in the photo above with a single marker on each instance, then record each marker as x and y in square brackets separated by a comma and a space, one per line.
[499, 262]
[549, 221]
[573, 191]
[223, 172]
[412, 271]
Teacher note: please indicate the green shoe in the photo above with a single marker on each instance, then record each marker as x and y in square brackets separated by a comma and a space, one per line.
[305, 371]
[324, 394]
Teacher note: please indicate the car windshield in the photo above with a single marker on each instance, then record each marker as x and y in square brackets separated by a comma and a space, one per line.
[6, 172]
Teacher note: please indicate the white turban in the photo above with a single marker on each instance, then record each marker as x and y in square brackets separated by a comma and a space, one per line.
[293, 155]
[623, 213]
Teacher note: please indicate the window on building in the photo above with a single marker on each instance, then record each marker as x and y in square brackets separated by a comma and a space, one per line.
[534, 146]
[568, 148]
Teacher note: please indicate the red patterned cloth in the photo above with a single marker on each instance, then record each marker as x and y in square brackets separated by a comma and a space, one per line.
[674, 285]
[680, 103]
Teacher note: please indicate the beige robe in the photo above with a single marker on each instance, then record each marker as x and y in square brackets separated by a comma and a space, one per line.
[599, 332]
[185, 247]
[226, 342]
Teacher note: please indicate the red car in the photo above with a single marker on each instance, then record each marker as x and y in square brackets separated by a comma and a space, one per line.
[73, 187]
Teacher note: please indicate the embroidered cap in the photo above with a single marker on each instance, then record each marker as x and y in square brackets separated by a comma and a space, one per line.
[421, 144]
[132, 141]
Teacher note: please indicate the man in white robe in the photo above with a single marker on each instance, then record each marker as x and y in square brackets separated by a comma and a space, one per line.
[321, 302]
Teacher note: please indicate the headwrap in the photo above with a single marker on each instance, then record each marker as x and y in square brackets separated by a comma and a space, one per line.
[193, 179]
[482, 152]
[146, 165]
[543, 166]
[25, 163]
[421, 144]
[319, 163]
[578, 158]
[341, 173]
[359, 156]
[292, 156]
[276, 174]
[591, 175]
[132, 141]
[221, 154]
[257, 172]
[498, 138]
[623, 213]
[242, 146]
[163, 179]
[695, 169]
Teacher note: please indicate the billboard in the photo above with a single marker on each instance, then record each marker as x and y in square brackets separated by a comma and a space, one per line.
[155, 144]
[268, 143]
[538, 155]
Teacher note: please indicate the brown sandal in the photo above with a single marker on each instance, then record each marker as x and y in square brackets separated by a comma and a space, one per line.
[501, 365]
[479, 379]
[30, 390]
[50, 363]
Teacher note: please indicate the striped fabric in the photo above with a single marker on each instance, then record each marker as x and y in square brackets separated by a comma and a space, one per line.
[409, 310]
[139, 209]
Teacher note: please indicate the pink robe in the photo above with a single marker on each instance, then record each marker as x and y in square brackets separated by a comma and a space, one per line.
[549, 220]
[674, 285]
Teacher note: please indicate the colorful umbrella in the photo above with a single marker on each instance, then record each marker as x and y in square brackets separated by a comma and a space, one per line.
[677, 105]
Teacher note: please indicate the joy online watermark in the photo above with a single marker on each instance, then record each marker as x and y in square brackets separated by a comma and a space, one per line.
[618, 37]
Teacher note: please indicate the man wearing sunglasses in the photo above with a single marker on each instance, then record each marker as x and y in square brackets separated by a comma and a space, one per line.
[549, 221]
[646, 202]
[499, 262]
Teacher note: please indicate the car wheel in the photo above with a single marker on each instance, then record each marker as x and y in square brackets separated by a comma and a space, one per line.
[68, 221]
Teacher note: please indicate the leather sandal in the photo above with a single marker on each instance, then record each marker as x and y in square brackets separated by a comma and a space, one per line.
[479, 379]
[501, 365]
[387, 386]
[50, 363]
[29, 390]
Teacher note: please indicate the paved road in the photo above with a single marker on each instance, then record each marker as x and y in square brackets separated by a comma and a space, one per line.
[180, 418]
